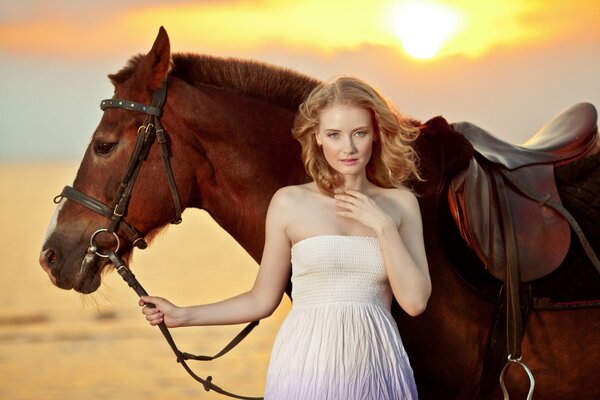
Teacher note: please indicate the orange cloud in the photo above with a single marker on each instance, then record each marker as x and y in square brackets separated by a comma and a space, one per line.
[324, 27]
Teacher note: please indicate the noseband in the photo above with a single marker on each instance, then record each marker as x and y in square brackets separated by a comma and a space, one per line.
[147, 133]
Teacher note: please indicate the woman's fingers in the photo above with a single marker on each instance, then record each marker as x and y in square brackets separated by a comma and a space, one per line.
[149, 299]
[345, 202]
[353, 203]
[152, 314]
[150, 311]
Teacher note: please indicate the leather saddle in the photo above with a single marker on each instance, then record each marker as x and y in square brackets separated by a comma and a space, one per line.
[512, 186]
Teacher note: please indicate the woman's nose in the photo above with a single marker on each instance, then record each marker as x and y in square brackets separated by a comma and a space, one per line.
[350, 147]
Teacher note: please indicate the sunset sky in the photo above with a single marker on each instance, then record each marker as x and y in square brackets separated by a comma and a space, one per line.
[508, 66]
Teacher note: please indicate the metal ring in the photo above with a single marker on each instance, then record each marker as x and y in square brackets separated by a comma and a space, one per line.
[104, 230]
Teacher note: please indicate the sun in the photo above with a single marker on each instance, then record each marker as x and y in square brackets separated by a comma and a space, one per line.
[424, 27]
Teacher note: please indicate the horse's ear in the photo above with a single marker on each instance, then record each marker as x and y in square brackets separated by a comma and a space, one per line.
[155, 65]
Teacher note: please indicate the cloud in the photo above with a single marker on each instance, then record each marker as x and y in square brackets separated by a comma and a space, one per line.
[71, 28]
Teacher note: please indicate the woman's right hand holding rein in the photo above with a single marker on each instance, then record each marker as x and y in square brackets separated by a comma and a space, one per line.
[163, 311]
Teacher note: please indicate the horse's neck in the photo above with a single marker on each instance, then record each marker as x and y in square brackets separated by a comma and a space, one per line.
[251, 153]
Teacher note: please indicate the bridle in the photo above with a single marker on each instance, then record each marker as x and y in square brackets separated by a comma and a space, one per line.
[149, 132]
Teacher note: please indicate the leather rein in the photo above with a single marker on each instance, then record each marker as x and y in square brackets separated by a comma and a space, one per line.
[148, 133]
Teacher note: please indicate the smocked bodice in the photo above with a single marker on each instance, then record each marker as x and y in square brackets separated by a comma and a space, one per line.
[339, 269]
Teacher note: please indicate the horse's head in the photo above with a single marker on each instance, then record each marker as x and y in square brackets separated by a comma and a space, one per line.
[101, 181]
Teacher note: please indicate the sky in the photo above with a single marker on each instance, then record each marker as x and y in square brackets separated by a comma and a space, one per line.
[508, 66]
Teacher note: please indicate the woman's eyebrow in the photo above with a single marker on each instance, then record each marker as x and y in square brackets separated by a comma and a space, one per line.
[364, 127]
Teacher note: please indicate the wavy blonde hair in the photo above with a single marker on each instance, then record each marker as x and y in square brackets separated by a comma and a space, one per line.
[393, 160]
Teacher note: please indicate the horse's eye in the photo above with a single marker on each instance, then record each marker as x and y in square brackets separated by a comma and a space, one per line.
[104, 147]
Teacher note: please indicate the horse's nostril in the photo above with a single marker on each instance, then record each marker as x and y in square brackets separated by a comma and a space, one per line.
[51, 257]
[47, 259]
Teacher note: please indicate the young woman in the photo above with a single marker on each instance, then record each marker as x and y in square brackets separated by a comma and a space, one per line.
[353, 237]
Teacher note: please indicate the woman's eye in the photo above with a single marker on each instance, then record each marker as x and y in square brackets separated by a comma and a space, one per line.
[333, 135]
[360, 133]
[104, 147]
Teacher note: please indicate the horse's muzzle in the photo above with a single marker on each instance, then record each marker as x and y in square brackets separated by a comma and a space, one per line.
[86, 282]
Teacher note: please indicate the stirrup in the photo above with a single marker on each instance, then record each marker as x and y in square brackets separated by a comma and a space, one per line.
[527, 370]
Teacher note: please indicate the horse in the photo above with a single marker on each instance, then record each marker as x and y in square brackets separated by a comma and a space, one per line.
[226, 148]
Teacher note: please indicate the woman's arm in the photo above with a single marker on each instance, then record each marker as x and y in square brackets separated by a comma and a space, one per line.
[258, 302]
[403, 248]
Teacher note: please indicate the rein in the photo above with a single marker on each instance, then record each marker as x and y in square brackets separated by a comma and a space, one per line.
[147, 134]
[131, 280]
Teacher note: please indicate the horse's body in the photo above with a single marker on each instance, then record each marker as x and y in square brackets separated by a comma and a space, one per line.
[228, 127]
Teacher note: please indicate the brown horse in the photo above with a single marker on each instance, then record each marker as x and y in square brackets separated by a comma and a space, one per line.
[228, 129]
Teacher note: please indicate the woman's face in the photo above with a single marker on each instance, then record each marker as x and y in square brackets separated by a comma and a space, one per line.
[346, 135]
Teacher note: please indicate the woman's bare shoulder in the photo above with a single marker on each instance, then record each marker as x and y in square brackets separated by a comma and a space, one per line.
[403, 198]
[402, 194]
[292, 195]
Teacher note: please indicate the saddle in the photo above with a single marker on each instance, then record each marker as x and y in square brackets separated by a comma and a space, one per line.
[507, 209]
[522, 178]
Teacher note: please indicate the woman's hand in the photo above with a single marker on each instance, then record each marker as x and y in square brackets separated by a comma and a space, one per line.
[163, 310]
[360, 207]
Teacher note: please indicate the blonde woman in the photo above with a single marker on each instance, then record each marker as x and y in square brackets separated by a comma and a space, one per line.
[353, 240]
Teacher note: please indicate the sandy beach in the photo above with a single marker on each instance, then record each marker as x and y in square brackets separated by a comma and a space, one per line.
[57, 344]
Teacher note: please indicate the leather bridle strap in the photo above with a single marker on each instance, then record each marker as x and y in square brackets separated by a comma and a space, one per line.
[132, 281]
[130, 105]
[100, 208]
[151, 129]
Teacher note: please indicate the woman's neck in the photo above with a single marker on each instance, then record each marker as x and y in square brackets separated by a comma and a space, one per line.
[355, 182]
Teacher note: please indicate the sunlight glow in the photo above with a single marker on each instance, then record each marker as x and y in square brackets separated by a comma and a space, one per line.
[424, 27]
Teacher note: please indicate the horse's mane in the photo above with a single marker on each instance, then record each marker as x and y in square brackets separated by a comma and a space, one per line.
[273, 84]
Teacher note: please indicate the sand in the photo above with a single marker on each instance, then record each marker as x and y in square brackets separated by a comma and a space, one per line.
[57, 344]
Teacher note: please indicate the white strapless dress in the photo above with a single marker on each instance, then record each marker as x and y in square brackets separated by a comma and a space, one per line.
[339, 340]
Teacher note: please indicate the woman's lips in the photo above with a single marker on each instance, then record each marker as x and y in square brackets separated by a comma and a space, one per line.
[349, 161]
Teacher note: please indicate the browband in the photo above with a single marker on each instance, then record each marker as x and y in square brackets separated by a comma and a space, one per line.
[130, 105]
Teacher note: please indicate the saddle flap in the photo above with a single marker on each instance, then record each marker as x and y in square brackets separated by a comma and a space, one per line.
[542, 234]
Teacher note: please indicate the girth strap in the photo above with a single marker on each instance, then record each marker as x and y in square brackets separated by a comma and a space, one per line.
[131, 280]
